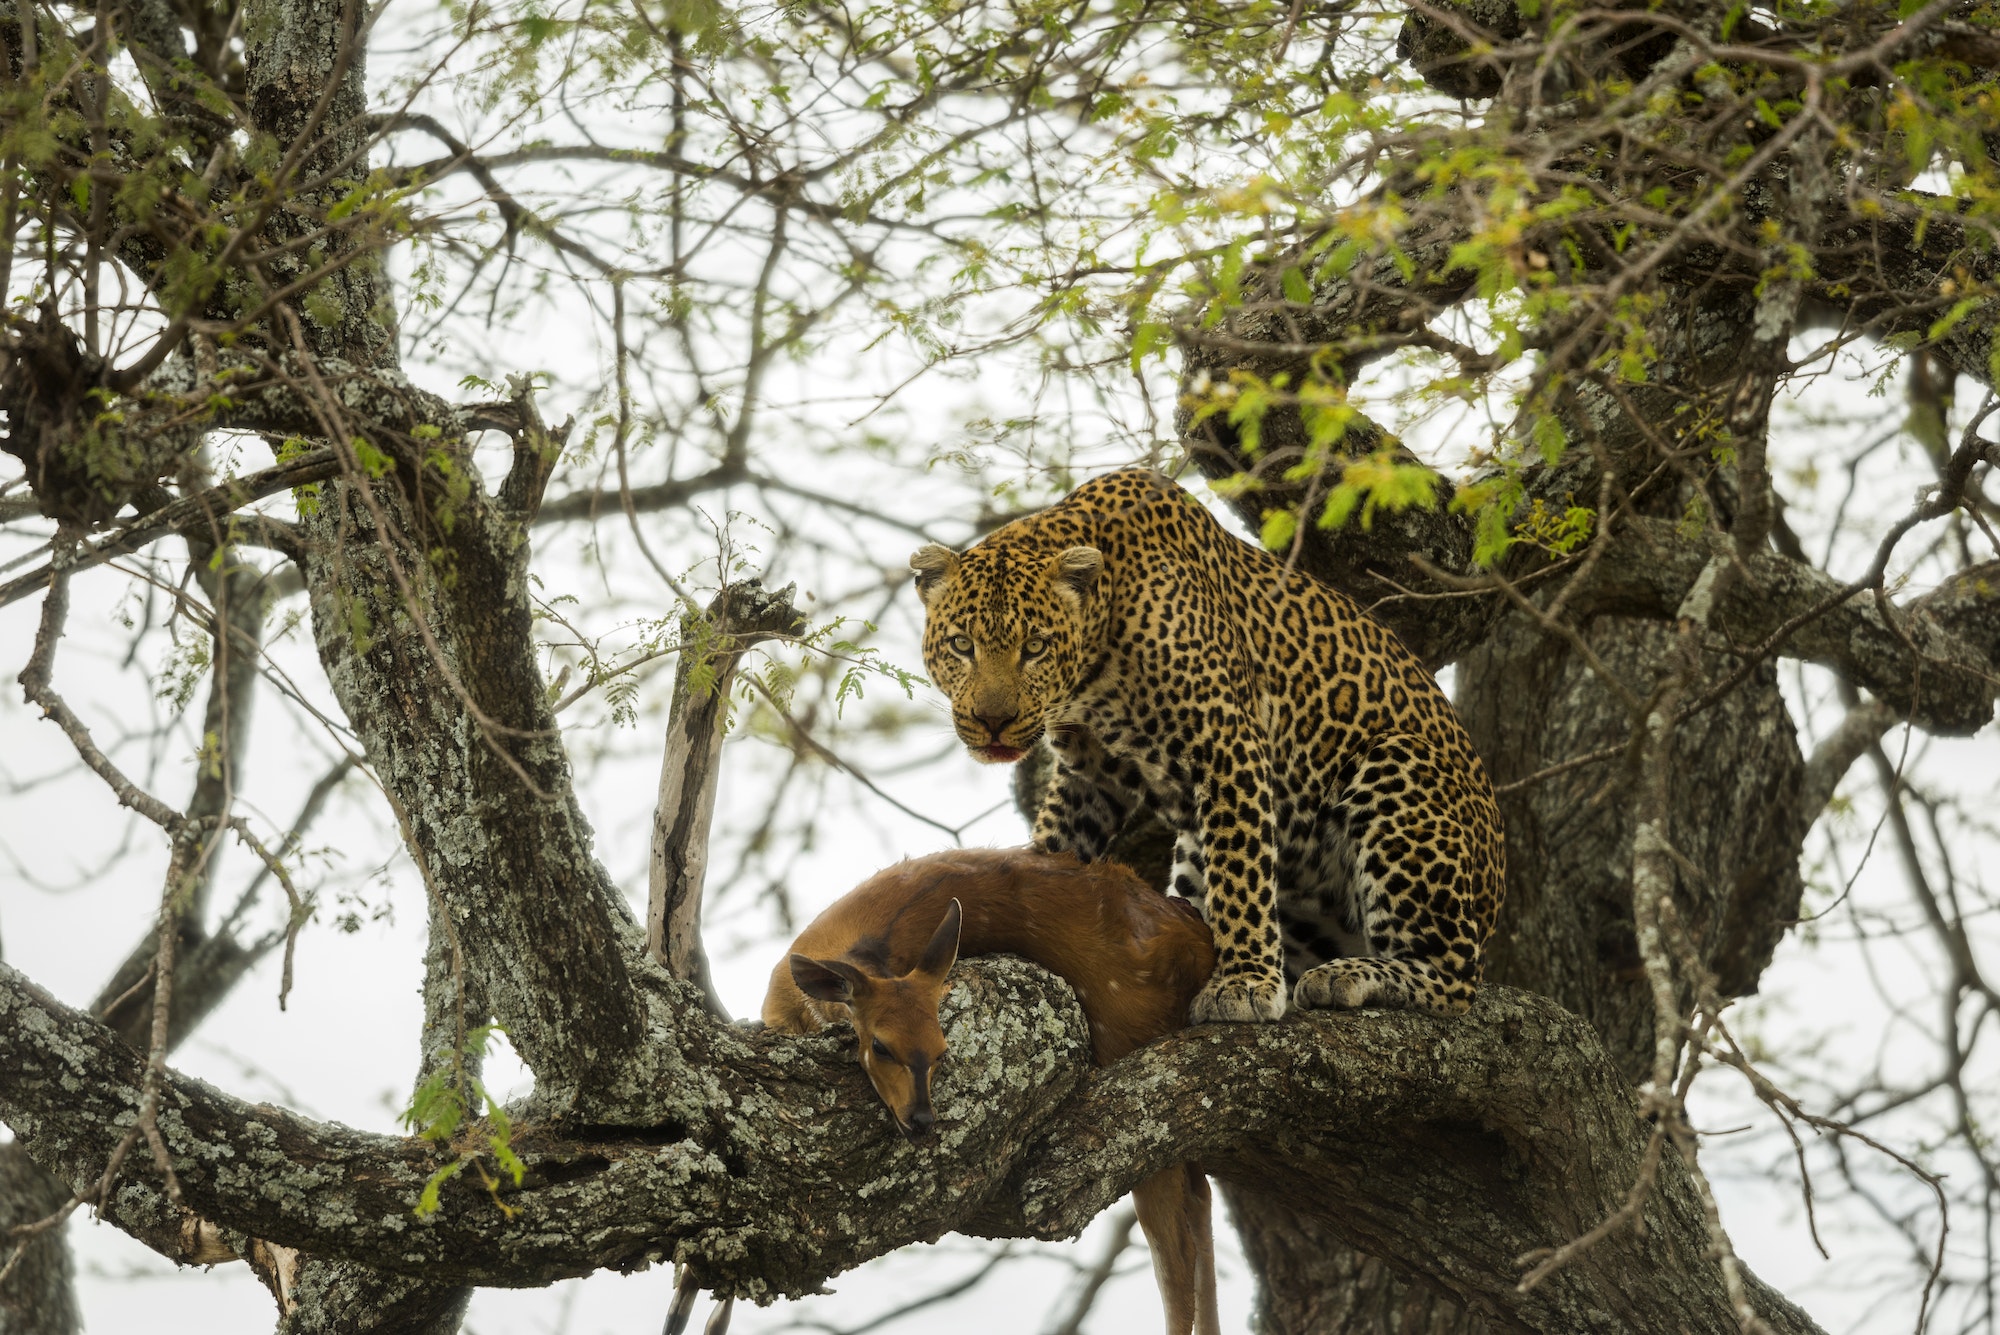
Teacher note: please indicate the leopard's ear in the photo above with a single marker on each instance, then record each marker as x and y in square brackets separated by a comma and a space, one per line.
[1077, 569]
[933, 565]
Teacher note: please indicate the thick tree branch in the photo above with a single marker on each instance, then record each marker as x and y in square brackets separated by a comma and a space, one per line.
[274, 397]
[442, 685]
[198, 514]
[1452, 1146]
[750, 1173]
[1411, 1120]
[1836, 754]
[333, 1296]
[1798, 611]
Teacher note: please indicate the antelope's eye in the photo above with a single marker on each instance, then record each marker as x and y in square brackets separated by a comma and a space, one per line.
[882, 1051]
[1034, 648]
[961, 644]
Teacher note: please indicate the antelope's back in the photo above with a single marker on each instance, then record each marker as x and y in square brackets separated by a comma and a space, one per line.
[1135, 956]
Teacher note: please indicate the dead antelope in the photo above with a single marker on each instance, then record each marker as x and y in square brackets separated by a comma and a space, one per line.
[880, 955]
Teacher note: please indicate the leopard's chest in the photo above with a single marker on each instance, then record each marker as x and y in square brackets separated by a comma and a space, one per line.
[1157, 743]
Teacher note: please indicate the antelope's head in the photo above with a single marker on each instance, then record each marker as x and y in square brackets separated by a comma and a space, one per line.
[895, 1021]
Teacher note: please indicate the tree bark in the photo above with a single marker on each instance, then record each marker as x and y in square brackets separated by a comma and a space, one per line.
[38, 1298]
[1454, 1146]
[343, 1297]
[711, 648]
[1451, 1148]
[1311, 1283]
[1566, 927]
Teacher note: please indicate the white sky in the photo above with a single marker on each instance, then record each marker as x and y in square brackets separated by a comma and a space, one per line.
[78, 883]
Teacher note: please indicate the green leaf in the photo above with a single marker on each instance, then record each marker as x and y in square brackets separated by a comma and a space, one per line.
[1949, 320]
[373, 461]
[1490, 539]
[1549, 438]
[1150, 337]
[427, 1202]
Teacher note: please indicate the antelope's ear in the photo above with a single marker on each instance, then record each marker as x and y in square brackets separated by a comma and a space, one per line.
[942, 952]
[1077, 569]
[828, 980]
[933, 565]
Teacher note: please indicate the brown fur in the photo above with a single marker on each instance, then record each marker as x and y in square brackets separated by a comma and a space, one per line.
[1135, 957]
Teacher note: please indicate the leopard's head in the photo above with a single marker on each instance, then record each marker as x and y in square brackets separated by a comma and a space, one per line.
[1007, 631]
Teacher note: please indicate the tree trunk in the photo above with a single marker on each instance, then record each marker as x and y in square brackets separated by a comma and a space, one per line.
[1566, 928]
[1310, 1283]
[38, 1297]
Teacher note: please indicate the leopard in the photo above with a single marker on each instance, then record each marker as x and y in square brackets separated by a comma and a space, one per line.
[1333, 822]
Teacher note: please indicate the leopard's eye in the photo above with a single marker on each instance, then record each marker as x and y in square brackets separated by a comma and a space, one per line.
[1034, 647]
[961, 644]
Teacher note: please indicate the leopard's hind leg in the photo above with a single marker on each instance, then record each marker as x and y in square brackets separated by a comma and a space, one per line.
[1419, 856]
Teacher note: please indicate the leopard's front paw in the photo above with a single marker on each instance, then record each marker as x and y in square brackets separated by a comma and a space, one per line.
[1342, 985]
[1245, 999]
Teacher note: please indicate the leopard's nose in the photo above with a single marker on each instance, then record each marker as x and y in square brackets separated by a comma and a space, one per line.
[996, 724]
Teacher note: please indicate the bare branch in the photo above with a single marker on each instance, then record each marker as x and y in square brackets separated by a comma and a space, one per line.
[711, 648]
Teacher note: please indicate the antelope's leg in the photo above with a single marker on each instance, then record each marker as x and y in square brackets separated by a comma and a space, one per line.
[1174, 1217]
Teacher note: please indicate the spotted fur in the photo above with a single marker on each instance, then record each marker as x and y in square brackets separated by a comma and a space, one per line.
[1333, 815]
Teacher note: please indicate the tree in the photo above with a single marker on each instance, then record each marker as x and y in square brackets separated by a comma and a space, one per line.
[1628, 236]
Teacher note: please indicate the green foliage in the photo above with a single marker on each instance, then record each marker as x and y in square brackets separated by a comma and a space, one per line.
[1280, 527]
[324, 308]
[1382, 480]
[454, 1111]
[1094, 194]
[360, 625]
[184, 670]
[373, 461]
[453, 481]
[1491, 502]
[1556, 532]
[839, 646]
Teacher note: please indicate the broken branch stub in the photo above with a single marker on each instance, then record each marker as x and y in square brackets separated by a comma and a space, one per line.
[712, 645]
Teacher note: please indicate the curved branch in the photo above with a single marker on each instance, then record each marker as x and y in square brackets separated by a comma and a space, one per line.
[1453, 1147]
[589, 503]
[751, 1170]
[1796, 610]
[208, 511]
